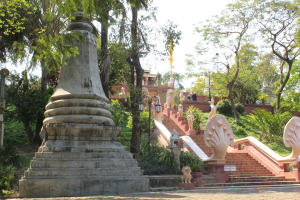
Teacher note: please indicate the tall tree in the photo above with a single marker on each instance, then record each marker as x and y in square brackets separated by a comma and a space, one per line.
[25, 102]
[278, 24]
[103, 16]
[228, 32]
[36, 36]
[136, 74]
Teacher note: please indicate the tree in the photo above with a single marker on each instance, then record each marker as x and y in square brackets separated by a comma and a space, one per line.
[291, 98]
[12, 24]
[247, 83]
[228, 32]
[39, 38]
[172, 37]
[136, 77]
[26, 102]
[120, 72]
[278, 24]
[102, 10]
[178, 78]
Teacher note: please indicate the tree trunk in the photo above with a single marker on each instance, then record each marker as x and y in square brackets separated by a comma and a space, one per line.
[29, 131]
[135, 97]
[40, 118]
[137, 73]
[283, 81]
[230, 96]
[105, 59]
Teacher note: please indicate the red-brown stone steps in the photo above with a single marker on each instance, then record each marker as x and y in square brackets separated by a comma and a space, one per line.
[251, 183]
[246, 166]
[171, 125]
[199, 140]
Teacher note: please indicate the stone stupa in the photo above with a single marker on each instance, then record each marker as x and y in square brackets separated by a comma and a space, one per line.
[81, 154]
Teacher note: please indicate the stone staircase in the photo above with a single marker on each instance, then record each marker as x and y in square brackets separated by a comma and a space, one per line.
[248, 170]
[171, 125]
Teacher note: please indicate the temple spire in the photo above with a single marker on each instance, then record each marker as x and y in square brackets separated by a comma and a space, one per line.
[171, 59]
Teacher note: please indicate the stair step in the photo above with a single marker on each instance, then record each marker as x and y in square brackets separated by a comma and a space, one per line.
[255, 177]
[259, 180]
[252, 183]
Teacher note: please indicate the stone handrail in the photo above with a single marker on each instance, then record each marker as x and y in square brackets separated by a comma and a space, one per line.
[264, 149]
[187, 140]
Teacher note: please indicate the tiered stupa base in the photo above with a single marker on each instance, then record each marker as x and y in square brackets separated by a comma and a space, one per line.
[92, 163]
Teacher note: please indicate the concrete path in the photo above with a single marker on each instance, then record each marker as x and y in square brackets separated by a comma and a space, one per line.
[287, 192]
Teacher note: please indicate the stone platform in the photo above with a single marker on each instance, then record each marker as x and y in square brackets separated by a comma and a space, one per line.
[66, 168]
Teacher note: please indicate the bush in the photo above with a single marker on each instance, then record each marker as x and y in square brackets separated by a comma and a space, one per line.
[9, 156]
[269, 126]
[224, 108]
[158, 160]
[191, 160]
[6, 177]
[239, 108]
[9, 159]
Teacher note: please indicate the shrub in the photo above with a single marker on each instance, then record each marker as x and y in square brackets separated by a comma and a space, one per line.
[270, 126]
[6, 177]
[239, 108]
[158, 160]
[9, 156]
[224, 108]
[9, 159]
[191, 160]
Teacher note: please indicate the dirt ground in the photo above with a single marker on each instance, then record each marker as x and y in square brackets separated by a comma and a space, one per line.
[288, 192]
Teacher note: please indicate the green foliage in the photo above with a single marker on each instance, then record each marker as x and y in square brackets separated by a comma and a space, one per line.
[291, 99]
[269, 126]
[122, 118]
[6, 177]
[191, 160]
[9, 156]
[12, 24]
[14, 132]
[120, 71]
[178, 79]
[224, 108]
[144, 116]
[279, 148]
[199, 85]
[172, 36]
[9, 160]
[158, 160]
[25, 102]
[240, 108]
[119, 114]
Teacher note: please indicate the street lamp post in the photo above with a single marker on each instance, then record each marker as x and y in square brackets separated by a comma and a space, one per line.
[157, 109]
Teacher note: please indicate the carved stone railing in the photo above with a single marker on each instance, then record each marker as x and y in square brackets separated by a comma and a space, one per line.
[165, 135]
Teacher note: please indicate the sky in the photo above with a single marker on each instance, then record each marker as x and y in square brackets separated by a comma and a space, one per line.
[185, 14]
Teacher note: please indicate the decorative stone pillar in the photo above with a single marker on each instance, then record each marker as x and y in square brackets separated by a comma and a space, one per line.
[80, 154]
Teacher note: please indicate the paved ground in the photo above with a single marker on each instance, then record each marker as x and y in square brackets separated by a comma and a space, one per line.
[287, 192]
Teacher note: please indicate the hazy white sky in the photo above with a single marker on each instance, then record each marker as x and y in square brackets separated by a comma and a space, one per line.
[185, 14]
